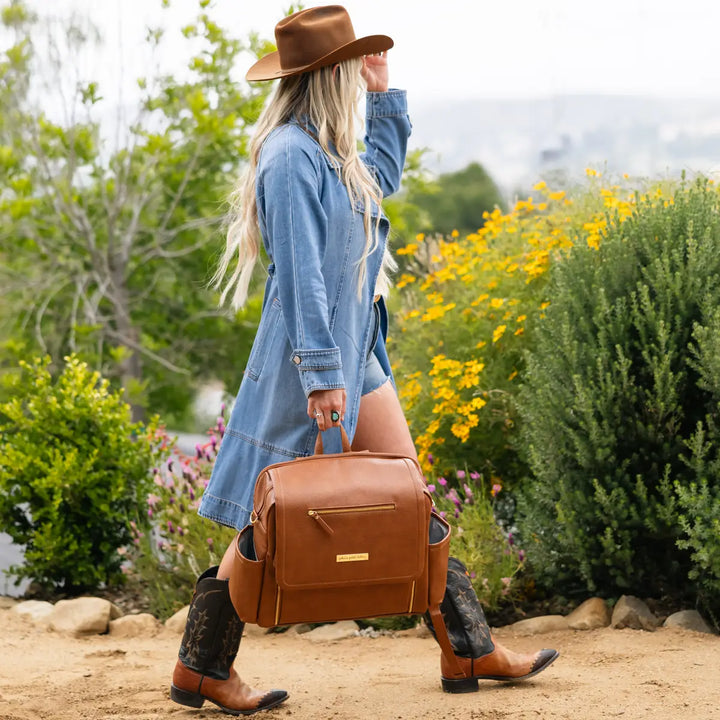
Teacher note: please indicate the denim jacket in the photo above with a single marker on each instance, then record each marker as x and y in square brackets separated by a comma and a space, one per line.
[314, 331]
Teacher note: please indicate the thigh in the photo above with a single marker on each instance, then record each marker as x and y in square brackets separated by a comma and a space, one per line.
[381, 425]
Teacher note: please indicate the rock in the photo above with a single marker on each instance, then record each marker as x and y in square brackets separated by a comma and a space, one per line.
[80, 616]
[631, 612]
[176, 623]
[115, 612]
[539, 625]
[592, 614]
[139, 625]
[335, 631]
[252, 630]
[421, 630]
[299, 629]
[688, 620]
[37, 610]
[7, 603]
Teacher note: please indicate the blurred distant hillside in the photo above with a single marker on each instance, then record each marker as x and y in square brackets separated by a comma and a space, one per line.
[519, 140]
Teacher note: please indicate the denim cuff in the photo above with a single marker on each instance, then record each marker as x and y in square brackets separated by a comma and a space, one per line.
[392, 103]
[319, 369]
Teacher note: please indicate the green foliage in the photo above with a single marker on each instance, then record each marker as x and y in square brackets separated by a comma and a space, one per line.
[167, 562]
[106, 248]
[478, 540]
[73, 472]
[456, 201]
[620, 384]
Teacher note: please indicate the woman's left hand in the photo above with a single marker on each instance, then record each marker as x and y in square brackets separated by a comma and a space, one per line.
[375, 72]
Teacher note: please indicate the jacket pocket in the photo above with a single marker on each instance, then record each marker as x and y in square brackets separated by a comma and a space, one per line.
[263, 340]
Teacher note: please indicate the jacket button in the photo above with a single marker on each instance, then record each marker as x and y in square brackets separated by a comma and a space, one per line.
[297, 359]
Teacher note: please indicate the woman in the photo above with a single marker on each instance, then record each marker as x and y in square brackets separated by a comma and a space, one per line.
[319, 356]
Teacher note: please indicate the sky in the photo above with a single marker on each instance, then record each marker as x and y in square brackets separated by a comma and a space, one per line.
[454, 49]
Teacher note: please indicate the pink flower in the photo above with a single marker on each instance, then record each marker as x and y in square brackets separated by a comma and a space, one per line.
[511, 539]
[468, 492]
[442, 481]
[460, 474]
[521, 555]
[496, 488]
[474, 476]
[210, 542]
[431, 488]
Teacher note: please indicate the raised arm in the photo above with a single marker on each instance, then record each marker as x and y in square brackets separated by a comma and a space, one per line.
[387, 125]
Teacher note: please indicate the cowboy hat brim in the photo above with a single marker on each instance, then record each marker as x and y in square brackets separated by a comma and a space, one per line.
[268, 67]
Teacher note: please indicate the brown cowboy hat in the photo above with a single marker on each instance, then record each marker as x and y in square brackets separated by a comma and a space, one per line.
[313, 38]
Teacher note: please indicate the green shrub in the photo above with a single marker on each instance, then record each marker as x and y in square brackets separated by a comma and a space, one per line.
[614, 399]
[73, 471]
[487, 550]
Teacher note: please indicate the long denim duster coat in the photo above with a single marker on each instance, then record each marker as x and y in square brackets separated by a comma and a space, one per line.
[314, 331]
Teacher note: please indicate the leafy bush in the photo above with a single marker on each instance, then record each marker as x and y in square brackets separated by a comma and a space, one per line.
[620, 404]
[488, 551]
[167, 561]
[73, 471]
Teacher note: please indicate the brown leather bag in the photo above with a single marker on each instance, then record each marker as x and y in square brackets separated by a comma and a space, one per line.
[342, 537]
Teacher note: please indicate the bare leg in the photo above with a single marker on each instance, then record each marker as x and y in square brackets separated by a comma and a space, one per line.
[381, 425]
[226, 563]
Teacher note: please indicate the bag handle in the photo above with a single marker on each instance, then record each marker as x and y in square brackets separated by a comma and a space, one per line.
[345, 442]
[441, 635]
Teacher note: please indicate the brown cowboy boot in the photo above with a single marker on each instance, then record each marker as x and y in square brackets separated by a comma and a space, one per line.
[210, 643]
[478, 655]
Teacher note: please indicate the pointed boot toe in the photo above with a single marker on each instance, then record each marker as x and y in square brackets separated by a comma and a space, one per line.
[272, 699]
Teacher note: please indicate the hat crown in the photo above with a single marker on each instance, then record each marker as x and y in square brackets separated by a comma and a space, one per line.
[308, 35]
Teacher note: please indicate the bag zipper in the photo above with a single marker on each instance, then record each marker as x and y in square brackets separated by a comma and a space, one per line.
[317, 513]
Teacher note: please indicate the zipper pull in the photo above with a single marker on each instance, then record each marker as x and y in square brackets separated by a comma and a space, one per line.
[316, 516]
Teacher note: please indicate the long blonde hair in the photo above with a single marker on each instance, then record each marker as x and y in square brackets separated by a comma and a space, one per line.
[328, 98]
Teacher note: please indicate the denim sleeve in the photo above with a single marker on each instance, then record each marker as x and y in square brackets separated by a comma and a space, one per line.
[387, 129]
[297, 230]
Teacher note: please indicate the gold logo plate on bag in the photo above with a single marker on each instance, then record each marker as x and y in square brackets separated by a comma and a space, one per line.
[352, 557]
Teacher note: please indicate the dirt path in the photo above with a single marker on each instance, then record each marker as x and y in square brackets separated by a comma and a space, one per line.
[600, 674]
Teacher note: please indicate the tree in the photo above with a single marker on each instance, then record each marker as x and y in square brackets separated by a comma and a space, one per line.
[106, 250]
[457, 200]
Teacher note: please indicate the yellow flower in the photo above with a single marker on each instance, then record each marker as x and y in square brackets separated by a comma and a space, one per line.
[540, 186]
[499, 332]
[480, 345]
[544, 305]
[455, 233]
[521, 318]
[512, 375]
[420, 237]
[519, 331]
[496, 303]
[409, 249]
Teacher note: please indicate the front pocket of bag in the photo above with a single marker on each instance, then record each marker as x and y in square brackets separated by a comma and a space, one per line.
[263, 341]
[246, 577]
[323, 516]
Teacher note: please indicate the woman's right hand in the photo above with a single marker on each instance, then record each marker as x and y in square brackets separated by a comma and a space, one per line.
[321, 404]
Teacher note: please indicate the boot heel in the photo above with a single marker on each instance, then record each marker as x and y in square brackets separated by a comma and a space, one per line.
[464, 685]
[183, 697]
